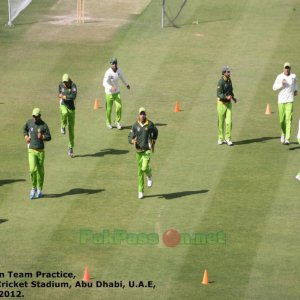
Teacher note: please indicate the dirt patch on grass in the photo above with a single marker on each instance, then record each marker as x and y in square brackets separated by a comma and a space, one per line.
[102, 19]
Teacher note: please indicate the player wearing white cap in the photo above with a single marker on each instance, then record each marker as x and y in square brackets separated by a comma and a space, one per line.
[286, 83]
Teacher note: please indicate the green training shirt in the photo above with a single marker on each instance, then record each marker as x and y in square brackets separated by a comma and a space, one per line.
[145, 134]
[32, 128]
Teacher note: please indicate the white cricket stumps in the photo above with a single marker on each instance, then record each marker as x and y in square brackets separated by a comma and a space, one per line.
[80, 11]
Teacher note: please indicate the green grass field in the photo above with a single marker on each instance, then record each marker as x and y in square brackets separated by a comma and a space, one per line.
[248, 191]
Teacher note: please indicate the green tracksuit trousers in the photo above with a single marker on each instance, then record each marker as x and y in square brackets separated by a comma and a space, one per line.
[224, 120]
[36, 168]
[68, 119]
[143, 160]
[285, 118]
[110, 99]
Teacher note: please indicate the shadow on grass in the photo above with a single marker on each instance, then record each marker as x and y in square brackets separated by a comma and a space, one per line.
[258, 140]
[9, 181]
[294, 148]
[104, 152]
[197, 22]
[76, 191]
[3, 220]
[177, 194]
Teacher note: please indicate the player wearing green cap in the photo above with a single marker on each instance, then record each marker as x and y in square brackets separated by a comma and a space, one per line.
[143, 135]
[112, 92]
[67, 93]
[36, 131]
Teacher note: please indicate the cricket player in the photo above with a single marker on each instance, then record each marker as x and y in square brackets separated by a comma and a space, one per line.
[112, 92]
[225, 96]
[67, 93]
[143, 135]
[36, 132]
[286, 84]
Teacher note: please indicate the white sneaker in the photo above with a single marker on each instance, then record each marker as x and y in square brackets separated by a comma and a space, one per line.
[298, 177]
[119, 126]
[220, 142]
[149, 182]
[282, 139]
[229, 142]
[141, 195]
[286, 142]
[109, 126]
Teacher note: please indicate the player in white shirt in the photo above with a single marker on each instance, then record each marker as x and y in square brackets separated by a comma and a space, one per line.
[112, 92]
[286, 83]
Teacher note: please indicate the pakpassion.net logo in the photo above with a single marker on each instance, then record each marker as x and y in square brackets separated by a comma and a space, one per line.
[170, 238]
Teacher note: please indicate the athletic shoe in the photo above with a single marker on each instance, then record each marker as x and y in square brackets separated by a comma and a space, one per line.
[298, 177]
[229, 142]
[286, 142]
[282, 139]
[39, 194]
[149, 182]
[220, 142]
[118, 125]
[32, 194]
[141, 195]
[109, 126]
[63, 130]
[70, 152]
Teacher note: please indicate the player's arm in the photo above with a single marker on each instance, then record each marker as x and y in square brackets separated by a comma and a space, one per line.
[26, 133]
[46, 135]
[220, 90]
[124, 80]
[278, 83]
[132, 136]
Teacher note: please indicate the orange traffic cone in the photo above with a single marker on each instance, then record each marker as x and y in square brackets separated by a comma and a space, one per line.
[96, 104]
[268, 109]
[205, 278]
[86, 276]
[176, 109]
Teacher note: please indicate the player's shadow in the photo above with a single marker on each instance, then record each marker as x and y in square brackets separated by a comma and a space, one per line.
[295, 148]
[177, 194]
[9, 181]
[257, 140]
[76, 191]
[3, 221]
[104, 152]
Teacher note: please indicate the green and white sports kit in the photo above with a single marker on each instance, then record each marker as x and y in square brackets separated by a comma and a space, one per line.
[67, 109]
[224, 107]
[36, 154]
[285, 101]
[145, 135]
[110, 80]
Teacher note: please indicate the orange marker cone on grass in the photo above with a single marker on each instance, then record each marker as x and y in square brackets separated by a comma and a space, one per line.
[176, 109]
[96, 104]
[205, 277]
[86, 276]
[268, 110]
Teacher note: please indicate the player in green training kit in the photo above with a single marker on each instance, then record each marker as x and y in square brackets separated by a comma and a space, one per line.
[36, 132]
[67, 92]
[224, 106]
[143, 135]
